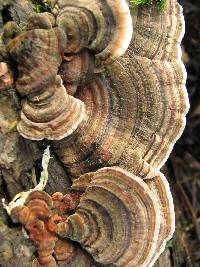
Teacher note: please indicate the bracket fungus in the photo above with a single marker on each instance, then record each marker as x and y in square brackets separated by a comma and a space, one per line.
[77, 70]
[104, 28]
[117, 217]
[39, 217]
[120, 220]
[136, 110]
[48, 111]
[113, 130]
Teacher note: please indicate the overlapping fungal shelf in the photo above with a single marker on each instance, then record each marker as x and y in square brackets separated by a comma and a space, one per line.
[39, 216]
[109, 89]
[77, 70]
[104, 27]
[120, 219]
[48, 111]
[135, 104]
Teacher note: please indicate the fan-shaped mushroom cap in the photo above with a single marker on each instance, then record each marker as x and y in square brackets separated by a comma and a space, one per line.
[6, 76]
[161, 104]
[38, 54]
[33, 214]
[117, 220]
[131, 120]
[40, 21]
[52, 114]
[160, 188]
[157, 35]
[41, 195]
[77, 70]
[103, 27]
[99, 140]
[37, 205]
[69, 254]
[65, 204]
[135, 115]
[48, 112]
[45, 242]
[64, 250]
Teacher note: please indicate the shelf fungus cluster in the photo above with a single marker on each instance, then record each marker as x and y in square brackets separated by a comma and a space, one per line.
[121, 219]
[47, 110]
[116, 217]
[103, 27]
[108, 89]
[40, 214]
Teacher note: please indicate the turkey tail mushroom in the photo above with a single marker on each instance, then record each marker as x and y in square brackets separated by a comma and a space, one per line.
[69, 254]
[161, 103]
[52, 114]
[136, 112]
[40, 218]
[99, 140]
[158, 35]
[157, 40]
[160, 188]
[35, 211]
[77, 70]
[38, 54]
[105, 27]
[38, 204]
[48, 111]
[117, 220]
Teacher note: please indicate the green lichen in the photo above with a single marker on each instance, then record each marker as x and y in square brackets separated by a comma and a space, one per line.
[13, 125]
[170, 244]
[41, 6]
[161, 3]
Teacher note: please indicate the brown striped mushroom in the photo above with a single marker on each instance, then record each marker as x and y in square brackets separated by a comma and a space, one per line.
[103, 27]
[117, 217]
[160, 188]
[135, 112]
[68, 254]
[51, 114]
[48, 111]
[6, 76]
[77, 70]
[118, 220]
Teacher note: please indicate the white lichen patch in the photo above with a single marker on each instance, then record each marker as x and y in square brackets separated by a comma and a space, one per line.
[20, 198]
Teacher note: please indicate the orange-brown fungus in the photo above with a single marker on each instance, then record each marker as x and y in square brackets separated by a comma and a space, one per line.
[53, 221]
[40, 216]
[64, 250]
[67, 203]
